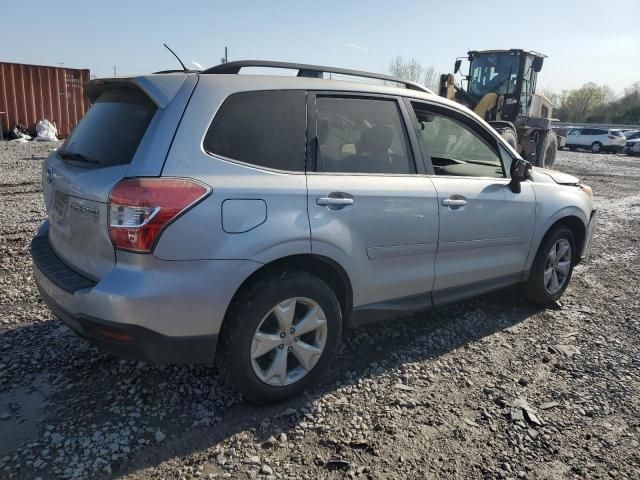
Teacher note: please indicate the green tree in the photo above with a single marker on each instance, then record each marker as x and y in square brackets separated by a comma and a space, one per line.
[584, 101]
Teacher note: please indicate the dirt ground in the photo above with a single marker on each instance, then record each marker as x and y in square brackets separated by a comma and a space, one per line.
[489, 388]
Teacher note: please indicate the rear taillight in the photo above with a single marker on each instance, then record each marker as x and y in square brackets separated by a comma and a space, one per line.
[611, 137]
[140, 208]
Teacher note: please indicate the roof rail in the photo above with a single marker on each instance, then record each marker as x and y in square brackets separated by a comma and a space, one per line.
[313, 71]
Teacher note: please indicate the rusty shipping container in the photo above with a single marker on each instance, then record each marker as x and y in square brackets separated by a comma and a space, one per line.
[29, 93]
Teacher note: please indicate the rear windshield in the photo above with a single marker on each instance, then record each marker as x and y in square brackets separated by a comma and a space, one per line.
[617, 133]
[110, 132]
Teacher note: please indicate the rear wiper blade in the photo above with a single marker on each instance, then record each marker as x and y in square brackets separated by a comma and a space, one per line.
[76, 157]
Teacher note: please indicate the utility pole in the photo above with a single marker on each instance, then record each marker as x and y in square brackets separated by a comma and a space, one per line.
[225, 59]
[114, 71]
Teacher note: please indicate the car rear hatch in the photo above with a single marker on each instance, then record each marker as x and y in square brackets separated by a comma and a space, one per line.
[126, 133]
[617, 137]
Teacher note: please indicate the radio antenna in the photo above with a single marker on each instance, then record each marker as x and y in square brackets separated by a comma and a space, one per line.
[174, 54]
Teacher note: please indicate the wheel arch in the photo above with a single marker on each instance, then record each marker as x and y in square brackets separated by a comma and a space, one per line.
[325, 268]
[577, 227]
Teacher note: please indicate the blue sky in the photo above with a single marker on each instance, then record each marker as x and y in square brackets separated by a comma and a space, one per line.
[584, 43]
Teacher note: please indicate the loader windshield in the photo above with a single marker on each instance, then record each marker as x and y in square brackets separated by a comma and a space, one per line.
[493, 72]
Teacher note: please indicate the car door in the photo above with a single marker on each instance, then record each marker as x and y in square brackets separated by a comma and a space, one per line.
[573, 138]
[369, 210]
[587, 137]
[485, 228]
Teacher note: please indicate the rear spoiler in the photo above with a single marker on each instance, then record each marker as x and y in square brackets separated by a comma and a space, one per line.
[159, 88]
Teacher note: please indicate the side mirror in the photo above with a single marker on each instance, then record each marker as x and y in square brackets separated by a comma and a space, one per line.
[537, 64]
[456, 66]
[519, 173]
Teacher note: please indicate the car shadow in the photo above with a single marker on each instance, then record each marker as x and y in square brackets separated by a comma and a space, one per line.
[86, 390]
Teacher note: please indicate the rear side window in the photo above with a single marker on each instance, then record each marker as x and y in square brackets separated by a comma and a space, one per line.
[111, 131]
[357, 135]
[266, 128]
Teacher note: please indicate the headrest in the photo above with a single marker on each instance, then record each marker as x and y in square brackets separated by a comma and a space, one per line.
[375, 140]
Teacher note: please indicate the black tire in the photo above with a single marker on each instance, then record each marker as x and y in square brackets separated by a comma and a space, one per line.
[535, 285]
[547, 151]
[596, 147]
[573, 149]
[246, 314]
[510, 136]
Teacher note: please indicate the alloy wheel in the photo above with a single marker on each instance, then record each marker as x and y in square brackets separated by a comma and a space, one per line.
[289, 341]
[557, 266]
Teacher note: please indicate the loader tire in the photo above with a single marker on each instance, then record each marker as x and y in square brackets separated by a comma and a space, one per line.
[511, 138]
[547, 150]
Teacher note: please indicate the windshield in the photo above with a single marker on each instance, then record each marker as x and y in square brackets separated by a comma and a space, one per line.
[493, 72]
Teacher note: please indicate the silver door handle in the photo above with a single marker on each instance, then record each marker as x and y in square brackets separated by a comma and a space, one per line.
[334, 201]
[454, 202]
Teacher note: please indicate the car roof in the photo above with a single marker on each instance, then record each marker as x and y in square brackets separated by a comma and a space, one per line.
[162, 86]
[233, 83]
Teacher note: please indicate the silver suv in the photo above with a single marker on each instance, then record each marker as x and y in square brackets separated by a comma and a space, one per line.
[195, 216]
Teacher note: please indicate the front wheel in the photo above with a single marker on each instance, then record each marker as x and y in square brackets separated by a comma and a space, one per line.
[552, 268]
[279, 336]
[511, 138]
[548, 150]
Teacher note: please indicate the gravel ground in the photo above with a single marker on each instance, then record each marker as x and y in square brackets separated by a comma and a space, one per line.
[492, 387]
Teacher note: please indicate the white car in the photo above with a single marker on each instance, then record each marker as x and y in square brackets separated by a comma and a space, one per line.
[596, 139]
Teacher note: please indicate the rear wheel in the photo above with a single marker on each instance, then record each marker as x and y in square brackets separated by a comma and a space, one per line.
[552, 268]
[281, 333]
[596, 147]
[573, 149]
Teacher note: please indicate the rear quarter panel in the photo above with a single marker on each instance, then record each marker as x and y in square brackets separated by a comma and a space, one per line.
[200, 234]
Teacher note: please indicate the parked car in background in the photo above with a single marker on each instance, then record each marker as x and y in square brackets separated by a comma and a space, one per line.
[631, 134]
[596, 139]
[632, 147]
[561, 136]
[250, 218]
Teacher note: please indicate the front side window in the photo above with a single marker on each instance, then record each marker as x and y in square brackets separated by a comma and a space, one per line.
[454, 148]
[358, 135]
[263, 128]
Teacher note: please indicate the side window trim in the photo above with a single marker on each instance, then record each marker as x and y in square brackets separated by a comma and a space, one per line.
[465, 120]
[312, 133]
[418, 151]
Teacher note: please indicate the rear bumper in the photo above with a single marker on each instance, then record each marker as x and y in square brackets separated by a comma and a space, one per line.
[144, 308]
[134, 342]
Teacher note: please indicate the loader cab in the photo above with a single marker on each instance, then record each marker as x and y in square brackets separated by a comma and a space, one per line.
[510, 74]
